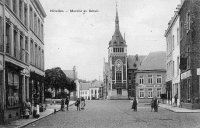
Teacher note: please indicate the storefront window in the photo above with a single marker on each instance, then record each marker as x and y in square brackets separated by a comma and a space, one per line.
[13, 90]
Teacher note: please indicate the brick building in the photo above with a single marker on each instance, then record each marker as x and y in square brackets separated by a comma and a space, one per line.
[21, 55]
[151, 76]
[133, 62]
[190, 53]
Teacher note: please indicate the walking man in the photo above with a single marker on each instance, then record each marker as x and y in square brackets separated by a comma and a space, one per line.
[67, 102]
[134, 106]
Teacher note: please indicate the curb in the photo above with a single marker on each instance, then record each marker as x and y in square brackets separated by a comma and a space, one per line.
[41, 117]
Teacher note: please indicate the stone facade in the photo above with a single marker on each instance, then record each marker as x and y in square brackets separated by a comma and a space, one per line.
[22, 65]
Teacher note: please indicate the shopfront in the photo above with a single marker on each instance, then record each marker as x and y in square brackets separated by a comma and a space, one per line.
[36, 85]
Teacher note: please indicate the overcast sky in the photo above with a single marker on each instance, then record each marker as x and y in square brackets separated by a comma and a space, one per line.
[81, 39]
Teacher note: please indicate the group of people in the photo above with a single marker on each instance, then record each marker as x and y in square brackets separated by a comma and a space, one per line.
[80, 104]
[154, 104]
[65, 102]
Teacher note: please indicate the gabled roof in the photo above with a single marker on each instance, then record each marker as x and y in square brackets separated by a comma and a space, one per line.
[85, 86]
[134, 61]
[154, 61]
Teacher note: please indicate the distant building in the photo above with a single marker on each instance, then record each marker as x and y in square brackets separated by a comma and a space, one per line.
[84, 90]
[151, 76]
[133, 62]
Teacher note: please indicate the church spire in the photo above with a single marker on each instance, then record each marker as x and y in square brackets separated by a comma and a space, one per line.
[116, 19]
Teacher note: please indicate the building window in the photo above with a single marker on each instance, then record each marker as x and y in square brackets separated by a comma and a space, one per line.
[141, 80]
[173, 42]
[178, 41]
[8, 36]
[38, 28]
[159, 79]
[35, 23]
[158, 92]
[20, 10]
[188, 21]
[21, 47]
[26, 49]
[150, 93]
[118, 76]
[35, 54]
[12, 86]
[32, 52]
[25, 15]
[188, 89]
[188, 59]
[172, 68]
[141, 93]
[1, 34]
[15, 41]
[119, 91]
[150, 79]
[177, 66]
[31, 18]
[42, 59]
[181, 31]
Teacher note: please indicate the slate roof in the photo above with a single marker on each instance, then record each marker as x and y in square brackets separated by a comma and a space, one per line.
[85, 86]
[134, 61]
[154, 61]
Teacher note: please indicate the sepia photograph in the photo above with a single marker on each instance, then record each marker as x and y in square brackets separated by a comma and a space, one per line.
[99, 63]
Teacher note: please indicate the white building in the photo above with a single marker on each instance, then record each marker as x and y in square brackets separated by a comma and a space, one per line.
[84, 90]
[173, 59]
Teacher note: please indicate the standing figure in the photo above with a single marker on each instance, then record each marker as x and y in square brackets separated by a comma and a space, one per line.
[176, 97]
[62, 104]
[155, 105]
[152, 104]
[134, 106]
[67, 102]
[77, 104]
[82, 103]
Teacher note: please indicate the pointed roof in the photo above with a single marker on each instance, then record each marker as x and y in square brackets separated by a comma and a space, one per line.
[117, 39]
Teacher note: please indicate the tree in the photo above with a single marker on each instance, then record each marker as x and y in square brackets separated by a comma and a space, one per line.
[56, 78]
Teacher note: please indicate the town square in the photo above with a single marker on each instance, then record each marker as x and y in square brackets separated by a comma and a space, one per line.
[100, 63]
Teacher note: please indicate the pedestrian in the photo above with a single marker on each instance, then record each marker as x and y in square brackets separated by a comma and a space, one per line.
[134, 105]
[82, 103]
[62, 104]
[156, 104]
[176, 97]
[67, 102]
[152, 104]
[77, 104]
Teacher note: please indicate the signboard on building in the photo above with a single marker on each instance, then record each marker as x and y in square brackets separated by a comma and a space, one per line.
[186, 74]
[198, 71]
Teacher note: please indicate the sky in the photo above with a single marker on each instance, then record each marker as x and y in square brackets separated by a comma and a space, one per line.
[81, 38]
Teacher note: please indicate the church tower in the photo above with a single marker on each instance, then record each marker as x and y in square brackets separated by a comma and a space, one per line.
[117, 60]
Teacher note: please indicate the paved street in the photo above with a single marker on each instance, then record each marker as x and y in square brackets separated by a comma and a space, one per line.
[117, 114]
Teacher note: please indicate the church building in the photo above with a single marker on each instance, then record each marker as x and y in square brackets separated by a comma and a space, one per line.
[117, 64]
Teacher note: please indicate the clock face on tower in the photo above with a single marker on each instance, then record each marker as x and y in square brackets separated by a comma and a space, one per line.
[118, 64]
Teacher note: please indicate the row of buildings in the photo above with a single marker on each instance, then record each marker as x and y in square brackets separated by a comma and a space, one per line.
[21, 55]
[91, 90]
[183, 55]
[126, 76]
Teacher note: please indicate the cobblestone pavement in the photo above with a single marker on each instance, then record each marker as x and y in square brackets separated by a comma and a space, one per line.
[117, 114]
